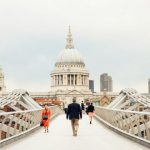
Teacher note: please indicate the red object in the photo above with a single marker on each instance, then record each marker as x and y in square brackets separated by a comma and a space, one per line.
[48, 113]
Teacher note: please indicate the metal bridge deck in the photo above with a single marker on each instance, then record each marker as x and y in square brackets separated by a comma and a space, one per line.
[90, 137]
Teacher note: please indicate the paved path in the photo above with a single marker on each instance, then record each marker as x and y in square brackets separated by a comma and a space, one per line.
[90, 137]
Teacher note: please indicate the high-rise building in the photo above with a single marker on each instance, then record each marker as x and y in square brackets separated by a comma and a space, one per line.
[106, 83]
[2, 84]
[148, 85]
[91, 85]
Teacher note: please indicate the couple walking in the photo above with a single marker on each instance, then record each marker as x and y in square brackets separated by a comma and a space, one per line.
[74, 113]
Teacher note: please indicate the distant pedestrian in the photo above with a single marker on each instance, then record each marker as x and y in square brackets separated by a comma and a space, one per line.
[46, 115]
[65, 107]
[74, 113]
[90, 111]
[86, 109]
[82, 106]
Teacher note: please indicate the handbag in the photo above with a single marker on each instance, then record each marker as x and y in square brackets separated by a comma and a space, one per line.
[41, 123]
[45, 117]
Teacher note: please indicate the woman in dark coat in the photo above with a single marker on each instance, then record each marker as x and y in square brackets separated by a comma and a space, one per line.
[90, 111]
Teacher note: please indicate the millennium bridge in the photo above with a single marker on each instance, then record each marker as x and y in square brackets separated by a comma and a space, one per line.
[122, 125]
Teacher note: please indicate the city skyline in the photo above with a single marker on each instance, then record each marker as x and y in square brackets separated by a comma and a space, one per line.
[113, 37]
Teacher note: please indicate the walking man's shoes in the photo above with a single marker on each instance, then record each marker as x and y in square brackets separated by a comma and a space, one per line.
[75, 133]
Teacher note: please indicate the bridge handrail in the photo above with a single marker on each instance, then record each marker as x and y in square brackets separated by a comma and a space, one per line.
[25, 111]
[132, 124]
[15, 125]
[127, 111]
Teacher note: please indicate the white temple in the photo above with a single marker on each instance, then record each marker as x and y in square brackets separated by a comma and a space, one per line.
[70, 78]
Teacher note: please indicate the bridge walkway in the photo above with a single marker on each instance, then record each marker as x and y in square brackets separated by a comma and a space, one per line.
[90, 137]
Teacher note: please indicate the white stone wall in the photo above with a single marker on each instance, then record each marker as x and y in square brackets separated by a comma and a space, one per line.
[2, 83]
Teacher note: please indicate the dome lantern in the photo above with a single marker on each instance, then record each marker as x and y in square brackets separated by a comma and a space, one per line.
[69, 44]
[70, 55]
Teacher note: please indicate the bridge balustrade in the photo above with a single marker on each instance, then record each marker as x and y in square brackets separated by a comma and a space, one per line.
[15, 125]
[132, 124]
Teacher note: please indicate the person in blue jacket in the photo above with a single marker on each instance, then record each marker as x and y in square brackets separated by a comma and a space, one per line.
[74, 113]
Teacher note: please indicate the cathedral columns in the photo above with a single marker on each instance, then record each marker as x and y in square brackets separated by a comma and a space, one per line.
[59, 77]
[69, 79]
[57, 80]
[64, 79]
[74, 79]
[78, 79]
[62, 82]
[82, 80]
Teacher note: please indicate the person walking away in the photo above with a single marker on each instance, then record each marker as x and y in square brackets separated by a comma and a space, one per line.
[65, 107]
[91, 110]
[46, 115]
[86, 109]
[82, 106]
[74, 113]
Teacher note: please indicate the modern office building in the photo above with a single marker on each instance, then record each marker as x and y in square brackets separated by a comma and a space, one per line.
[106, 83]
[91, 85]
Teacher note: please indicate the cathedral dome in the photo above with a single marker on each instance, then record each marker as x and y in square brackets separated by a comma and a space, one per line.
[70, 73]
[70, 55]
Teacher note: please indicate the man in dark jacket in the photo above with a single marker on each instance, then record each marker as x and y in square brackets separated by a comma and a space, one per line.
[74, 113]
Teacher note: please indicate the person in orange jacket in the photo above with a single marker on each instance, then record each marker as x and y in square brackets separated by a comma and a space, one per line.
[46, 115]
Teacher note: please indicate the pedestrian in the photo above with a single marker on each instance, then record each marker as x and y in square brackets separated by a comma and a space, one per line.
[86, 109]
[74, 113]
[65, 107]
[90, 111]
[82, 106]
[46, 115]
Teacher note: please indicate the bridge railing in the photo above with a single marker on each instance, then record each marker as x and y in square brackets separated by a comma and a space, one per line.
[14, 125]
[132, 124]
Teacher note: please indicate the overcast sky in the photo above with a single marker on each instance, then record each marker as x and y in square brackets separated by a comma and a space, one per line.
[112, 35]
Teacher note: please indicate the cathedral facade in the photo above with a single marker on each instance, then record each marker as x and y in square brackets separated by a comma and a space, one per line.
[70, 77]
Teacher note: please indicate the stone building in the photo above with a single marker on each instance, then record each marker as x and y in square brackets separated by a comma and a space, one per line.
[149, 86]
[70, 77]
[2, 83]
